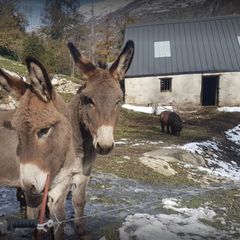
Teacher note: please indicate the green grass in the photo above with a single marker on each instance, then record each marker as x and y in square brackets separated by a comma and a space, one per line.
[13, 66]
[21, 69]
[67, 96]
[134, 169]
[140, 128]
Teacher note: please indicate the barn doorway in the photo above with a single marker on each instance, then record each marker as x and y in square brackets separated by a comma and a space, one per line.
[210, 90]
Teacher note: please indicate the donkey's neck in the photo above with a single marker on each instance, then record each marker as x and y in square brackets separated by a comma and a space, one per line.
[82, 137]
[75, 122]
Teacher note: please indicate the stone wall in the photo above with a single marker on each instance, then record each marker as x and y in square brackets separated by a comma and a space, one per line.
[186, 90]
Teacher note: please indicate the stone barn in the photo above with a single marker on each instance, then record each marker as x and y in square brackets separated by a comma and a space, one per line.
[187, 63]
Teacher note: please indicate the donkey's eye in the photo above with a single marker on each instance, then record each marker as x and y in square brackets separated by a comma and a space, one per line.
[43, 132]
[88, 101]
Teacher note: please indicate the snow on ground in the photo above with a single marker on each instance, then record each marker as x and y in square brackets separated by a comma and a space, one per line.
[124, 141]
[233, 135]
[211, 151]
[138, 108]
[228, 109]
[157, 110]
[183, 223]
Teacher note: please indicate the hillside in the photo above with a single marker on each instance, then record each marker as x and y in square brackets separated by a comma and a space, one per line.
[67, 86]
[145, 11]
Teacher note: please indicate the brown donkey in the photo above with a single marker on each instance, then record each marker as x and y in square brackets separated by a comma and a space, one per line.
[94, 114]
[38, 141]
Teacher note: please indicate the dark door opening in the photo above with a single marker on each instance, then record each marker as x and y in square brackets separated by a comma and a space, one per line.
[210, 90]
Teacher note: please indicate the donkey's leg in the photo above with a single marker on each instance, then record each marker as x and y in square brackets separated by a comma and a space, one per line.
[79, 199]
[57, 210]
[21, 198]
[32, 213]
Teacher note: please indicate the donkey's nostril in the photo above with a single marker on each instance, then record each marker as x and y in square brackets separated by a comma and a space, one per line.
[33, 189]
[104, 149]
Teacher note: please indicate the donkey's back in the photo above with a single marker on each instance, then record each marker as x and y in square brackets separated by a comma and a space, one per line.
[9, 168]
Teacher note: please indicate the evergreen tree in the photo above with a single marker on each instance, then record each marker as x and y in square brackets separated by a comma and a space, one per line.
[104, 47]
[122, 25]
[12, 25]
[60, 17]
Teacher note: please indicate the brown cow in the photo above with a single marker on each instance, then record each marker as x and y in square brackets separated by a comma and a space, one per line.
[172, 121]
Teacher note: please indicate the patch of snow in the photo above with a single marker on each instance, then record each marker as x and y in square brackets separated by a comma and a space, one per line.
[186, 224]
[216, 166]
[138, 144]
[198, 147]
[170, 202]
[158, 110]
[120, 142]
[199, 213]
[150, 109]
[154, 143]
[228, 109]
[138, 108]
[233, 135]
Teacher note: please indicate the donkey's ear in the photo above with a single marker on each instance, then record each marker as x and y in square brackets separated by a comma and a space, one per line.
[12, 83]
[40, 82]
[121, 65]
[85, 66]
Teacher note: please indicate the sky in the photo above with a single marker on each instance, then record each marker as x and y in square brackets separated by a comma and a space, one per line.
[33, 8]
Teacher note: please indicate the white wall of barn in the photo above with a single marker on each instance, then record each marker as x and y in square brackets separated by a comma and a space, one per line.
[229, 89]
[186, 90]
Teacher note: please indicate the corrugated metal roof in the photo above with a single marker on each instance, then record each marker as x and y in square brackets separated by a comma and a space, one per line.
[197, 46]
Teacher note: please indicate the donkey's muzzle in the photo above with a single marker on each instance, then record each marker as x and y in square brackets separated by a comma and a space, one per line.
[32, 179]
[33, 200]
[104, 141]
[103, 150]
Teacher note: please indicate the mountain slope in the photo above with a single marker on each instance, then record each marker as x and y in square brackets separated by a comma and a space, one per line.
[102, 8]
[145, 11]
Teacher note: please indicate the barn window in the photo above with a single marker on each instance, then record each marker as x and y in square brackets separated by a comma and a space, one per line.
[238, 39]
[162, 49]
[165, 84]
